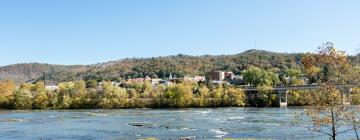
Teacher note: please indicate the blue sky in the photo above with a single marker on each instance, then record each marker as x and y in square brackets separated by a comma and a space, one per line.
[91, 31]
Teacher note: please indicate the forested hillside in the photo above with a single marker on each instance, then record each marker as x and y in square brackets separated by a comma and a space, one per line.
[181, 65]
[33, 71]
[156, 67]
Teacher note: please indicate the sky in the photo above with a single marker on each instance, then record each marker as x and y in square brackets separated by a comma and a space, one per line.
[92, 31]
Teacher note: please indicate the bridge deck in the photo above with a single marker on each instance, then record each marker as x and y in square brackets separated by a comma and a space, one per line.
[277, 88]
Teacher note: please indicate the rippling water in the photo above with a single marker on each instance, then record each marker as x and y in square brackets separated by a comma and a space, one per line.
[262, 123]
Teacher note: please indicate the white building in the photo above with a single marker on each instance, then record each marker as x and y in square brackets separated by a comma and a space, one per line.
[155, 82]
[52, 88]
[194, 78]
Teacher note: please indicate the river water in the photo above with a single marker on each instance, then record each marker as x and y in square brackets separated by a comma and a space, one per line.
[204, 123]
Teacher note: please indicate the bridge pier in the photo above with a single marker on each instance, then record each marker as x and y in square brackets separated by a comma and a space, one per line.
[283, 98]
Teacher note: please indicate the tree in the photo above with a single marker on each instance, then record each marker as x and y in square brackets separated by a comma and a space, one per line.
[79, 98]
[217, 95]
[180, 95]
[41, 100]
[253, 76]
[328, 109]
[7, 89]
[203, 95]
[23, 99]
[353, 119]
[236, 97]
[260, 77]
[91, 84]
[114, 97]
[265, 96]
[37, 87]
[293, 72]
[157, 96]
[66, 90]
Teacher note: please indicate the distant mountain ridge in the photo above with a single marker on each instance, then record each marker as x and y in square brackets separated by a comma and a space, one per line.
[156, 67]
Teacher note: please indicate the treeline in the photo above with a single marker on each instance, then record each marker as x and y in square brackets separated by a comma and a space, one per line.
[83, 95]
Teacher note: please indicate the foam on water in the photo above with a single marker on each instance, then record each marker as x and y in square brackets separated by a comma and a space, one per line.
[219, 133]
[237, 118]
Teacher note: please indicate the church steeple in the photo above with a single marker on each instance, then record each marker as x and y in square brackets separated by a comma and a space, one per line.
[170, 76]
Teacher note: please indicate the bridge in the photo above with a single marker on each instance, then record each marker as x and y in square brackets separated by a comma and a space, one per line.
[282, 91]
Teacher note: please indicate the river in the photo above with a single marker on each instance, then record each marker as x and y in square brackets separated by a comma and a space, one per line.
[204, 123]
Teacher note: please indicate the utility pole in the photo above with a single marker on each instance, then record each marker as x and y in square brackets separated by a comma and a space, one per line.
[44, 82]
[44, 79]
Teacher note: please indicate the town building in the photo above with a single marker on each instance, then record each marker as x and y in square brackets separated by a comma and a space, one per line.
[219, 77]
[237, 80]
[216, 75]
[51, 87]
[229, 75]
[155, 82]
[194, 78]
[135, 80]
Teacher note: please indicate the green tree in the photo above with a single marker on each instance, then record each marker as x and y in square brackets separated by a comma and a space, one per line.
[293, 72]
[260, 77]
[253, 76]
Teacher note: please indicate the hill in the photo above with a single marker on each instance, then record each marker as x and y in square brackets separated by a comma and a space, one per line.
[33, 71]
[155, 67]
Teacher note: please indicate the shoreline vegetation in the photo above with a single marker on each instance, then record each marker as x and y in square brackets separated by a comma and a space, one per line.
[82, 95]
[76, 95]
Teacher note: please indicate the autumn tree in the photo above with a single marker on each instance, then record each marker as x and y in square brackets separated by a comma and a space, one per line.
[66, 89]
[328, 106]
[80, 98]
[236, 97]
[113, 96]
[179, 95]
[7, 89]
[203, 94]
[40, 96]
[23, 99]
